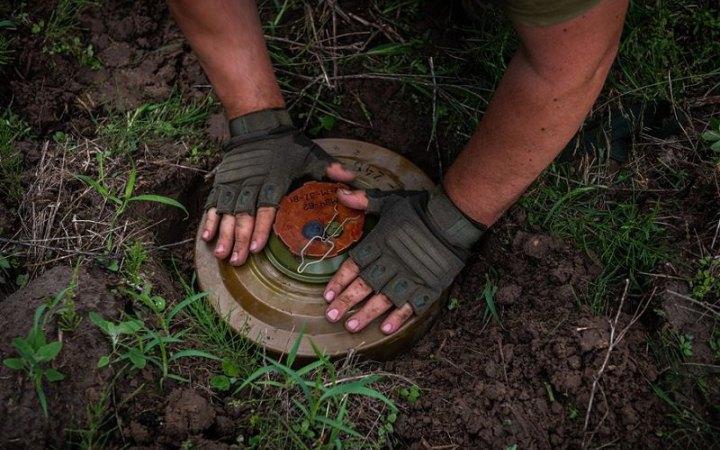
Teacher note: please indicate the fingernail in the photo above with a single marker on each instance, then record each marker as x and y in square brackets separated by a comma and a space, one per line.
[220, 248]
[206, 234]
[332, 314]
[346, 192]
[387, 328]
[253, 246]
[329, 296]
[234, 257]
[352, 324]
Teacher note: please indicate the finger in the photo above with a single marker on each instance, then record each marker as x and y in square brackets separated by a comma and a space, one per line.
[396, 319]
[212, 219]
[263, 224]
[354, 294]
[353, 199]
[336, 171]
[243, 230]
[347, 272]
[372, 309]
[225, 240]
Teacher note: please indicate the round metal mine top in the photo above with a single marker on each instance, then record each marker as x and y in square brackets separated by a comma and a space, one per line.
[269, 302]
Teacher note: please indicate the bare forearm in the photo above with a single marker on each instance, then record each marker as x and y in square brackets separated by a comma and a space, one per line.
[541, 102]
[527, 124]
[227, 37]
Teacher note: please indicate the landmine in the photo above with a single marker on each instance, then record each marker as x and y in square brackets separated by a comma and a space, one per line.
[278, 292]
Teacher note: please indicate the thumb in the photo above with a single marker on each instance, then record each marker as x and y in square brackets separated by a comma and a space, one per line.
[353, 199]
[336, 171]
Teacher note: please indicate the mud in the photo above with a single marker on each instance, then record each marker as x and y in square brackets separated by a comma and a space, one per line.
[527, 380]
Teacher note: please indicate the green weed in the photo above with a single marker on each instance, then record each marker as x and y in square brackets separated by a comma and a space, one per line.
[136, 256]
[137, 343]
[712, 136]
[214, 333]
[685, 345]
[123, 199]
[320, 402]
[410, 394]
[173, 118]
[68, 318]
[488, 295]
[61, 33]
[706, 282]
[35, 353]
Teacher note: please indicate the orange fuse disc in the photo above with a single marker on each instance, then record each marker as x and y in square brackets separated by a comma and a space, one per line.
[313, 210]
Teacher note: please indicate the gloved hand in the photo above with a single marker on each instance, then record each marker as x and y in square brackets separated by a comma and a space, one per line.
[263, 156]
[417, 248]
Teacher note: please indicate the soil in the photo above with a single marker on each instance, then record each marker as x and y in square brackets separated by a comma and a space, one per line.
[525, 380]
[23, 425]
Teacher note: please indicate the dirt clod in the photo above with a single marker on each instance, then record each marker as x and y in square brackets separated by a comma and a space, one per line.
[187, 412]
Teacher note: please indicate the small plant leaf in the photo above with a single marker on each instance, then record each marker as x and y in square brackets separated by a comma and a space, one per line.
[184, 304]
[136, 358]
[98, 321]
[190, 353]
[711, 135]
[130, 185]
[159, 199]
[102, 190]
[13, 363]
[220, 382]
[54, 375]
[230, 368]
[129, 326]
[48, 352]
[41, 398]
[715, 147]
[24, 348]
[103, 361]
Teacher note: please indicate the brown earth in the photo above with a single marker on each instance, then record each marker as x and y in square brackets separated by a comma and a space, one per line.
[524, 381]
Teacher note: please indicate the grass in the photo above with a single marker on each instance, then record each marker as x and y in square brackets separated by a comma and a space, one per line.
[623, 234]
[173, 118]
[667, 40]
[319, 407]
[12, 130]
[61, 32]
[6, 52]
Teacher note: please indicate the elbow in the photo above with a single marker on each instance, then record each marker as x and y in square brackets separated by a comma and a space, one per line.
[583, 72]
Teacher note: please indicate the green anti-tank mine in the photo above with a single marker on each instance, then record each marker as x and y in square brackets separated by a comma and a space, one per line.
[278, 292]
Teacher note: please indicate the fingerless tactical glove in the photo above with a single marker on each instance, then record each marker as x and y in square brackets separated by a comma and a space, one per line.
[263, 156]
[417, 248]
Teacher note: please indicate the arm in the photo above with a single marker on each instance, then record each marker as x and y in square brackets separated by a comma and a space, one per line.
[227, 37]
[548, 89]
[546, 93]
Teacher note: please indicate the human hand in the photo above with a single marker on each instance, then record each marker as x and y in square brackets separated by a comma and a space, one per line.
[263, 156]
[418, 246]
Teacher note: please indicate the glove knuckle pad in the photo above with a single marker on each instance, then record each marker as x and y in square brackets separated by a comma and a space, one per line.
[246, 200]
[379, 272]
[226, 197]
